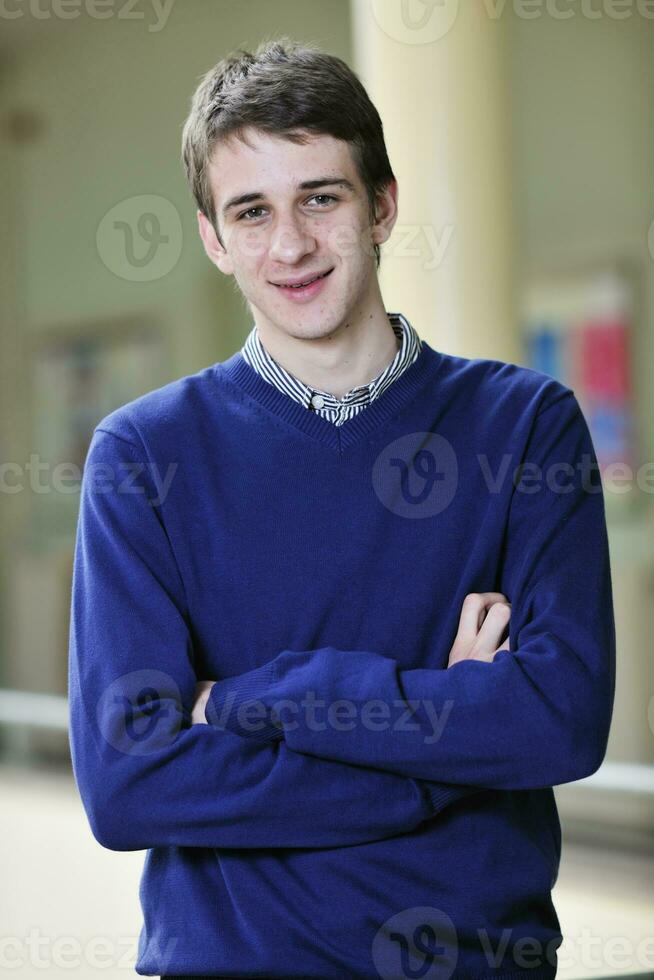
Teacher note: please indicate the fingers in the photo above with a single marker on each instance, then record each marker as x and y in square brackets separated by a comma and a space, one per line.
[483, 621]
[473, 613]
[492, 631]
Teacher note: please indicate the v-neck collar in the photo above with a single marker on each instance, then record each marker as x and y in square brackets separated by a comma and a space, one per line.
[237, 370]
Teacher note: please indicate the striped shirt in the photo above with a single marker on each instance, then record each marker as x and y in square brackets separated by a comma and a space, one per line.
[336, 410]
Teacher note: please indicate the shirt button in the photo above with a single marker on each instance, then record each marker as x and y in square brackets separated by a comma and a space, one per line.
[317, 401]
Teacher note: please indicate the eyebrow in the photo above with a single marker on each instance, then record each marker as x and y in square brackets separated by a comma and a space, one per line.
[306, 185]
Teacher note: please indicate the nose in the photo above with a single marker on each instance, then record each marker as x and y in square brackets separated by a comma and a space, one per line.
[290, 242]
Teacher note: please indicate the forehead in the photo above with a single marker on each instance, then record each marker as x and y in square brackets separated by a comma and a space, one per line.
[269, 163]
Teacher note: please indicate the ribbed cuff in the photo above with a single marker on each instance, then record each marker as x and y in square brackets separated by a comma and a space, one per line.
[441, 795]
[228, 698]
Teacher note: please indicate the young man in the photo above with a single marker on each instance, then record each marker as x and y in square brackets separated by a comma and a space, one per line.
[323, 585]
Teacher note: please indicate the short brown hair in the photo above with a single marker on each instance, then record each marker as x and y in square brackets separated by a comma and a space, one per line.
[283, 88]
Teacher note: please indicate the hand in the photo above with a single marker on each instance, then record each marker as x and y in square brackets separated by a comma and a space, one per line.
[202, 691]
[483, 622]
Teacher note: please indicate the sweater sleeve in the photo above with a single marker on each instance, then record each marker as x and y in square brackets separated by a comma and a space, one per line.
[145, 774]
[536, 716]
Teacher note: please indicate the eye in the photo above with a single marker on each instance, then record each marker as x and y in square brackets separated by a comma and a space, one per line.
[328, 198]
[249, 211]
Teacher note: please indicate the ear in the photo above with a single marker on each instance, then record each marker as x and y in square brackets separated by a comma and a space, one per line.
[212, 246]
[386, 213]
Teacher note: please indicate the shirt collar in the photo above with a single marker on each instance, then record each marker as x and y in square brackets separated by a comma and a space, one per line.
[408, 349]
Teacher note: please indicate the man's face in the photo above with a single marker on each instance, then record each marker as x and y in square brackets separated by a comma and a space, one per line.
[285, 232]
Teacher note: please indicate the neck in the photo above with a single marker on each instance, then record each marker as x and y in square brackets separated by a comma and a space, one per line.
[352, 354]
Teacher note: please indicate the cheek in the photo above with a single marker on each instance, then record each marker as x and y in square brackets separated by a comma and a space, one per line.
[250, 249]
[346, 240]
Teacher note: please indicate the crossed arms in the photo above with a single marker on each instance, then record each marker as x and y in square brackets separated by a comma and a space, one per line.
[478, 638]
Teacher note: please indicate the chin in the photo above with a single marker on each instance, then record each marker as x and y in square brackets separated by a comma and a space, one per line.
[307, 332]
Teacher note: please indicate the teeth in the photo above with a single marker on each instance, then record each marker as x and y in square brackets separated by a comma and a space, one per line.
[301, 284]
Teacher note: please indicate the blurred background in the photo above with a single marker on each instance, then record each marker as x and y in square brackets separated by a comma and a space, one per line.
[522, 138]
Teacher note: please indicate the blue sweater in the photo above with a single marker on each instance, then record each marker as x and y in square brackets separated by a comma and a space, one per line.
[354, 808]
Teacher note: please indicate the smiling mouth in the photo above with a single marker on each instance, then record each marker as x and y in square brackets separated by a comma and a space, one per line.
[302, 285]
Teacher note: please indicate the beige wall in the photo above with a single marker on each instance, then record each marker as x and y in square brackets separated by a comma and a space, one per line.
[110, 97]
